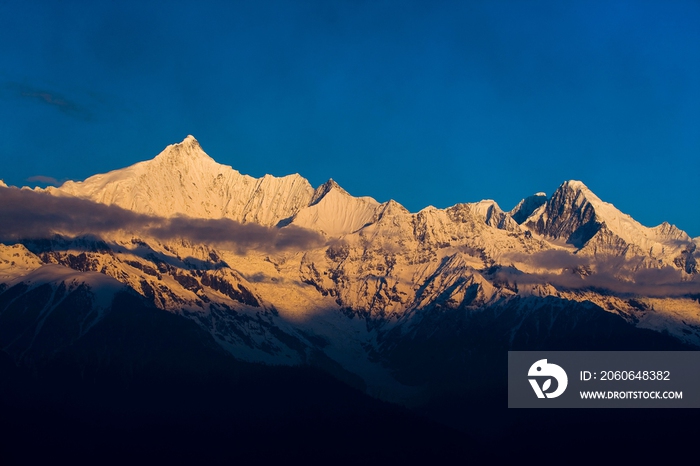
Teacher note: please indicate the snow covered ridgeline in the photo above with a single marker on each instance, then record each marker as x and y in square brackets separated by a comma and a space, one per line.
[184, 180]
[547, 240]
[379, 271]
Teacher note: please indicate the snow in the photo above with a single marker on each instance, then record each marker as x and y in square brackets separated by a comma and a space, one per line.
[527, 206]
[487, 209]
[619, 234]
[337, 213]
[380, 259]
[184, 180]
[627, 228]
[102, 288]
[16, 261]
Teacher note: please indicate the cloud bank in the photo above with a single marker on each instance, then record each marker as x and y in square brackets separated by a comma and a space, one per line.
[615, 274]
[29, 214]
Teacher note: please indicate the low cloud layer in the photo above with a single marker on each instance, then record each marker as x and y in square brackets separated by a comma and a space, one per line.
[29, 214]
[551, 259]
[614, 274]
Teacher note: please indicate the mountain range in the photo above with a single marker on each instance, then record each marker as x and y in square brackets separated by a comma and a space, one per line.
[404, 307]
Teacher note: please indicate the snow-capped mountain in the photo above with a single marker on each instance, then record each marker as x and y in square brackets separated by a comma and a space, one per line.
[577, 216]
[184, 180]
[378, 286]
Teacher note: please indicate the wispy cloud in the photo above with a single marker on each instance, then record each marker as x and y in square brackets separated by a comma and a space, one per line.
[550, 259]
[29, 214]
[614, 274]
[49, 97]
[239, 236]
[44, 180]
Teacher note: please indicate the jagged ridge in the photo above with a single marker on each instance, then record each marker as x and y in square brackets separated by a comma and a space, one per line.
[382, 272]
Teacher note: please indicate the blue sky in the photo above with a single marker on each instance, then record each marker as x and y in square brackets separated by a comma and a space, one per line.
[428, 103]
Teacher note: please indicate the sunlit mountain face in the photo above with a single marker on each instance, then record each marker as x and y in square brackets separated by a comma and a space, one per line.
[206, 307]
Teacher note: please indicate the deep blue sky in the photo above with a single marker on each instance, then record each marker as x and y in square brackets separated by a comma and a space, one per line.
[423, 102]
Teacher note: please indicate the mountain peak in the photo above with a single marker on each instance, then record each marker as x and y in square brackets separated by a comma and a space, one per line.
[527, 206]
[576, 185]
[576, 214]
[324, 189]
[184, 180]
[331, 184]
[570, 214]
[190, 143]
[578, 193]
[187, 150]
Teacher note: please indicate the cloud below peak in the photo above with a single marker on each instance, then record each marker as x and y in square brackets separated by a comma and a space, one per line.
[30, 214]
[617, 275]
[44, 180]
